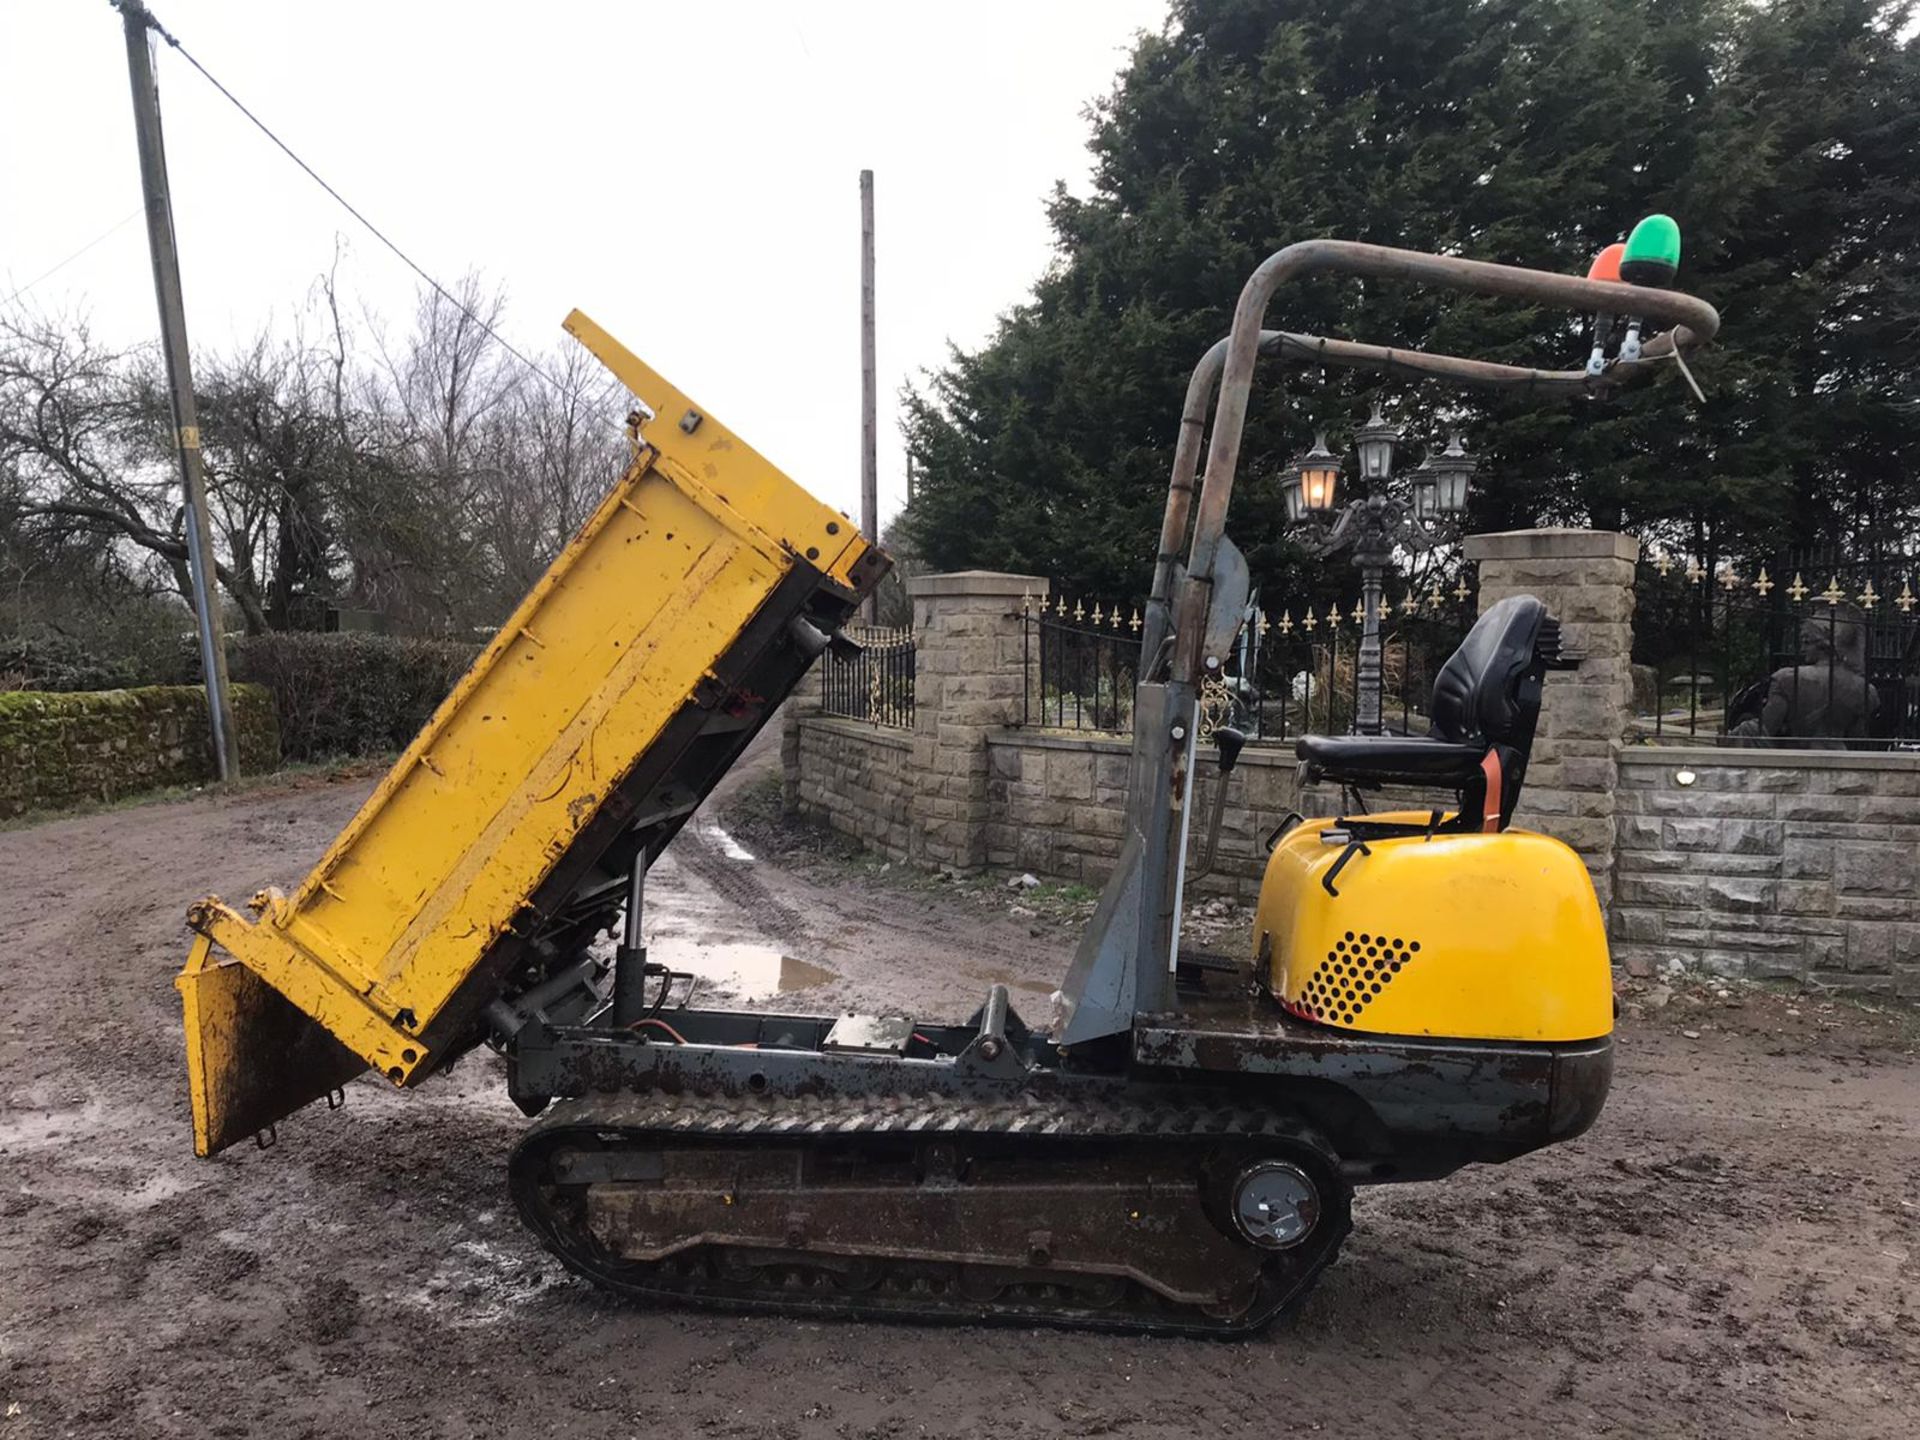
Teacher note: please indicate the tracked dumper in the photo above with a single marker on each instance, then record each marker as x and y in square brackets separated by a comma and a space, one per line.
[1175, 1152]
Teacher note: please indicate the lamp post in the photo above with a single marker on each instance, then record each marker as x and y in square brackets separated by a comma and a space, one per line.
[1376, 523]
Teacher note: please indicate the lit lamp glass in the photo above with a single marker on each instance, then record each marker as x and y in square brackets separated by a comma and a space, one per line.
[1319, 476]
[1452, 478]
[1375, 441]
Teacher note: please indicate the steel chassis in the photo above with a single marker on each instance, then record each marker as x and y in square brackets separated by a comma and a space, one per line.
[1139, 1031]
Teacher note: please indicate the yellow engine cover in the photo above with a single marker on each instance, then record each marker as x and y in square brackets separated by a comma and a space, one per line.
[1468, 936]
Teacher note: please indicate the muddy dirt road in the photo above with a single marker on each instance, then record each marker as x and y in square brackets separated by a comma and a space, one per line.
[1731, 1252]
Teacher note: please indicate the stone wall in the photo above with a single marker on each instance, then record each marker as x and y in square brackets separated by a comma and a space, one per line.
[855, 777]
[1060, 800]
[969, 787]
[1802, 865]
[968, 685]
[57, 749]
[1763, 863]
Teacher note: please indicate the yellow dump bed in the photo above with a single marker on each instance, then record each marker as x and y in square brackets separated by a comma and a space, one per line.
[621, 689]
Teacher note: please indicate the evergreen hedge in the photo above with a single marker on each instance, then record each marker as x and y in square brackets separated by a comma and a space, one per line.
[349, 693]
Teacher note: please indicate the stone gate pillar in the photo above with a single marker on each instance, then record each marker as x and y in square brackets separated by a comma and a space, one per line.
[1586, 579]
[968, 683]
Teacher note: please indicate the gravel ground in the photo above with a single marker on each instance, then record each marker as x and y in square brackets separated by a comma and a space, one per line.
[1731, 1251]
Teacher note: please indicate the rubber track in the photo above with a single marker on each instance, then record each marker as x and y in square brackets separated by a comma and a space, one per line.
[646, 1119]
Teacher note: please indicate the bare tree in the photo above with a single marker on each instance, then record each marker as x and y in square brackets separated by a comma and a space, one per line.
[430, 401]
[553, 451]
[428, 475]
[275, 462]
[81, 443]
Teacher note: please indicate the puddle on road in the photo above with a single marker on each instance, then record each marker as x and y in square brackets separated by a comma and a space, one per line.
[729, 847]
[740, 968]
[686, 910]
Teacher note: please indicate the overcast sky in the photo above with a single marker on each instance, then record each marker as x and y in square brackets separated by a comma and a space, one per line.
[686, 174]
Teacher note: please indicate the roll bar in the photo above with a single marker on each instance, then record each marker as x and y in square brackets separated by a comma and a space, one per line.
[1229, 365]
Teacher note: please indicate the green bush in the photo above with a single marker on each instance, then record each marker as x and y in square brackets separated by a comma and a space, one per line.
[53, 662]
[349, 693]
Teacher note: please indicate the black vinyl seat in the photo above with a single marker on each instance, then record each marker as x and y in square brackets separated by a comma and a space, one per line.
[1485, 705]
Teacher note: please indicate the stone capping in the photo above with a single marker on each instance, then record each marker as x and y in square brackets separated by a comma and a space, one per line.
[977, 582]
[859, 730]
[1765, 758]
[1034, 738]
[1552, 544]
[1106, 743]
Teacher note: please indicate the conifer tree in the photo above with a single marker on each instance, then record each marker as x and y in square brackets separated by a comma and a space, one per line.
[1782, 135]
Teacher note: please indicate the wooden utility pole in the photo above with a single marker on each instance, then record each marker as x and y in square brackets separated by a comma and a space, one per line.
[186, 419]
[869, 395]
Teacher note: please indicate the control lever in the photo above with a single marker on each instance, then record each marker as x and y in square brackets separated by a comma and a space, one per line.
[1231, 742]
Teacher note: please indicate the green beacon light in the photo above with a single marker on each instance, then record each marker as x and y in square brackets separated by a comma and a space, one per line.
[1652, 256]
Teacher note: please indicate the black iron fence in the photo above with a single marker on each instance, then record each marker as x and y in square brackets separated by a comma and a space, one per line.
[1081, 665]
[1803, 651]
[1305, 673]
[1292, 673]
[874, 683]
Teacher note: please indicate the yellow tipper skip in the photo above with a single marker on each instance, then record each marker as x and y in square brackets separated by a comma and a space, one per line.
[1176, 1149]
[603, 710]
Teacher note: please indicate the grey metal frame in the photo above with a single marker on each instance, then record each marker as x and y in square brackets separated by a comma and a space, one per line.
[1125, 961]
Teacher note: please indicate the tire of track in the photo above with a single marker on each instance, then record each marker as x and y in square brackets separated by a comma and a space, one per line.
[643, 1120]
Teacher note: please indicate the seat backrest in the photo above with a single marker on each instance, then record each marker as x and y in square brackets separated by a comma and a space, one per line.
[1481, 694]
[1489, 692]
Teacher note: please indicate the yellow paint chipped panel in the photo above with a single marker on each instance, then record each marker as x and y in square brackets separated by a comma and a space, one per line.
[252, 1056]
[609, 647]
[1462, 936]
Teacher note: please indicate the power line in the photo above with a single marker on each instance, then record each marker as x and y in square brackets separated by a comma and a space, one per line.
[153, 23]
[105, 234]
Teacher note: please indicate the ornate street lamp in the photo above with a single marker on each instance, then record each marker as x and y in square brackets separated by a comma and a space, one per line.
[1453, 471]
[1425, 503]
[1375, 524]
[1375, 441]
[1317, 476]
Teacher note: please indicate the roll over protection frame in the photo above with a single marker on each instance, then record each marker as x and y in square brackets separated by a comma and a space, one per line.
[1228, 366]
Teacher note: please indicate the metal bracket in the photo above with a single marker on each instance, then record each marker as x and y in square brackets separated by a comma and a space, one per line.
[994, 1051]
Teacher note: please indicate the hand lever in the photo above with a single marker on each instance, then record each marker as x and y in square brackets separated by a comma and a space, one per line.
[1231, 742]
